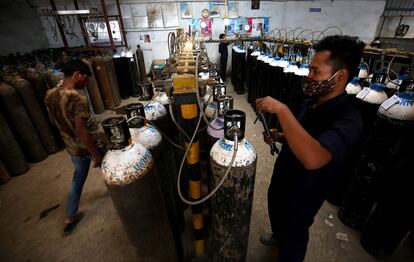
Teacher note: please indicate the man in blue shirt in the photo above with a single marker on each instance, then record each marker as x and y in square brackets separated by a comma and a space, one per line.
[316, 145]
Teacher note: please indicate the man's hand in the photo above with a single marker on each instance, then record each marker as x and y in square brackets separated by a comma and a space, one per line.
[97, 160]
[275, 136]
[269, 104]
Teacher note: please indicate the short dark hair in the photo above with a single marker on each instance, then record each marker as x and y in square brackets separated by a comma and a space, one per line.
[221, 36]
[76, 65]
[346, 52]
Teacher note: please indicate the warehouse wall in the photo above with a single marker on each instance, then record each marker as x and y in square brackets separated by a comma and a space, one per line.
[21, 29]
[354, 17]
[359, 18]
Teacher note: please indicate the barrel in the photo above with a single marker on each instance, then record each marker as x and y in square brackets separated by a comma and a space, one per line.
[21, 125]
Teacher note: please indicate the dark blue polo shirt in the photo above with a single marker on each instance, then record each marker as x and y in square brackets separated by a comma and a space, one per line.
[336, 125]
[296, 194]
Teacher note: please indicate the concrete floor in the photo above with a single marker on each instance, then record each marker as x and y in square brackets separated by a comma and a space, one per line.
[24, 236]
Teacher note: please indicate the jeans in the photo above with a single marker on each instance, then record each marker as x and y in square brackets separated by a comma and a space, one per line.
[81, 165]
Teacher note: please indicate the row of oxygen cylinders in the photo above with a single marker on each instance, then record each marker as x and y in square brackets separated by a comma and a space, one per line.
[141, 174]
[379, 197]
[29, 136]
[278, 77]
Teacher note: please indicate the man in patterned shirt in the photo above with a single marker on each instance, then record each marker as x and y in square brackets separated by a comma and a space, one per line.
[68, 109]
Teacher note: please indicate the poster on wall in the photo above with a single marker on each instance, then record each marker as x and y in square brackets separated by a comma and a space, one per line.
[194, 26]
[170, 14]
[230, 28]
[205, 26]
[233, 10]
[239, 25]
[215, 9]
[259, 25]
[154, 15]
[186, 10]
[145, 41]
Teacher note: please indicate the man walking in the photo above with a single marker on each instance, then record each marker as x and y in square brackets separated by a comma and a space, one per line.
[68, 109]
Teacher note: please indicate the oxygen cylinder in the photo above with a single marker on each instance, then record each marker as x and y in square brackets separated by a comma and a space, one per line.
[233, 66]
[162, 98]
[10, 152]
[369, 100]
[164, 168]
[117, 132]
[141, 64]
[215, 130]
[353, 87]
[123, 77]
[40, 87]
[4, 174]
[21, 125]
[252, 95]
[250, 50]
[274, 88]
[266, 75]
[134, 74]
[260, 74]
[218, 90]
[133, 187]
[393, 218]
[288, 72]
[363, 71]
[34, 111]
[232, 203]
[297, 98]
[240, 74]
[93, 90]
[109, 65]
[281, 81]
[104, 81]
[147, 90]
[358, 200]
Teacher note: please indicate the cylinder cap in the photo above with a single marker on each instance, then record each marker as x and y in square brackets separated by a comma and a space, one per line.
[234, 119]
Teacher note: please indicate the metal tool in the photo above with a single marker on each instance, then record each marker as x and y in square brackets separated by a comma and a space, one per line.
[260, 116]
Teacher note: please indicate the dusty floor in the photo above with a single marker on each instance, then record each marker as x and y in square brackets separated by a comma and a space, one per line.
[24, 236]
